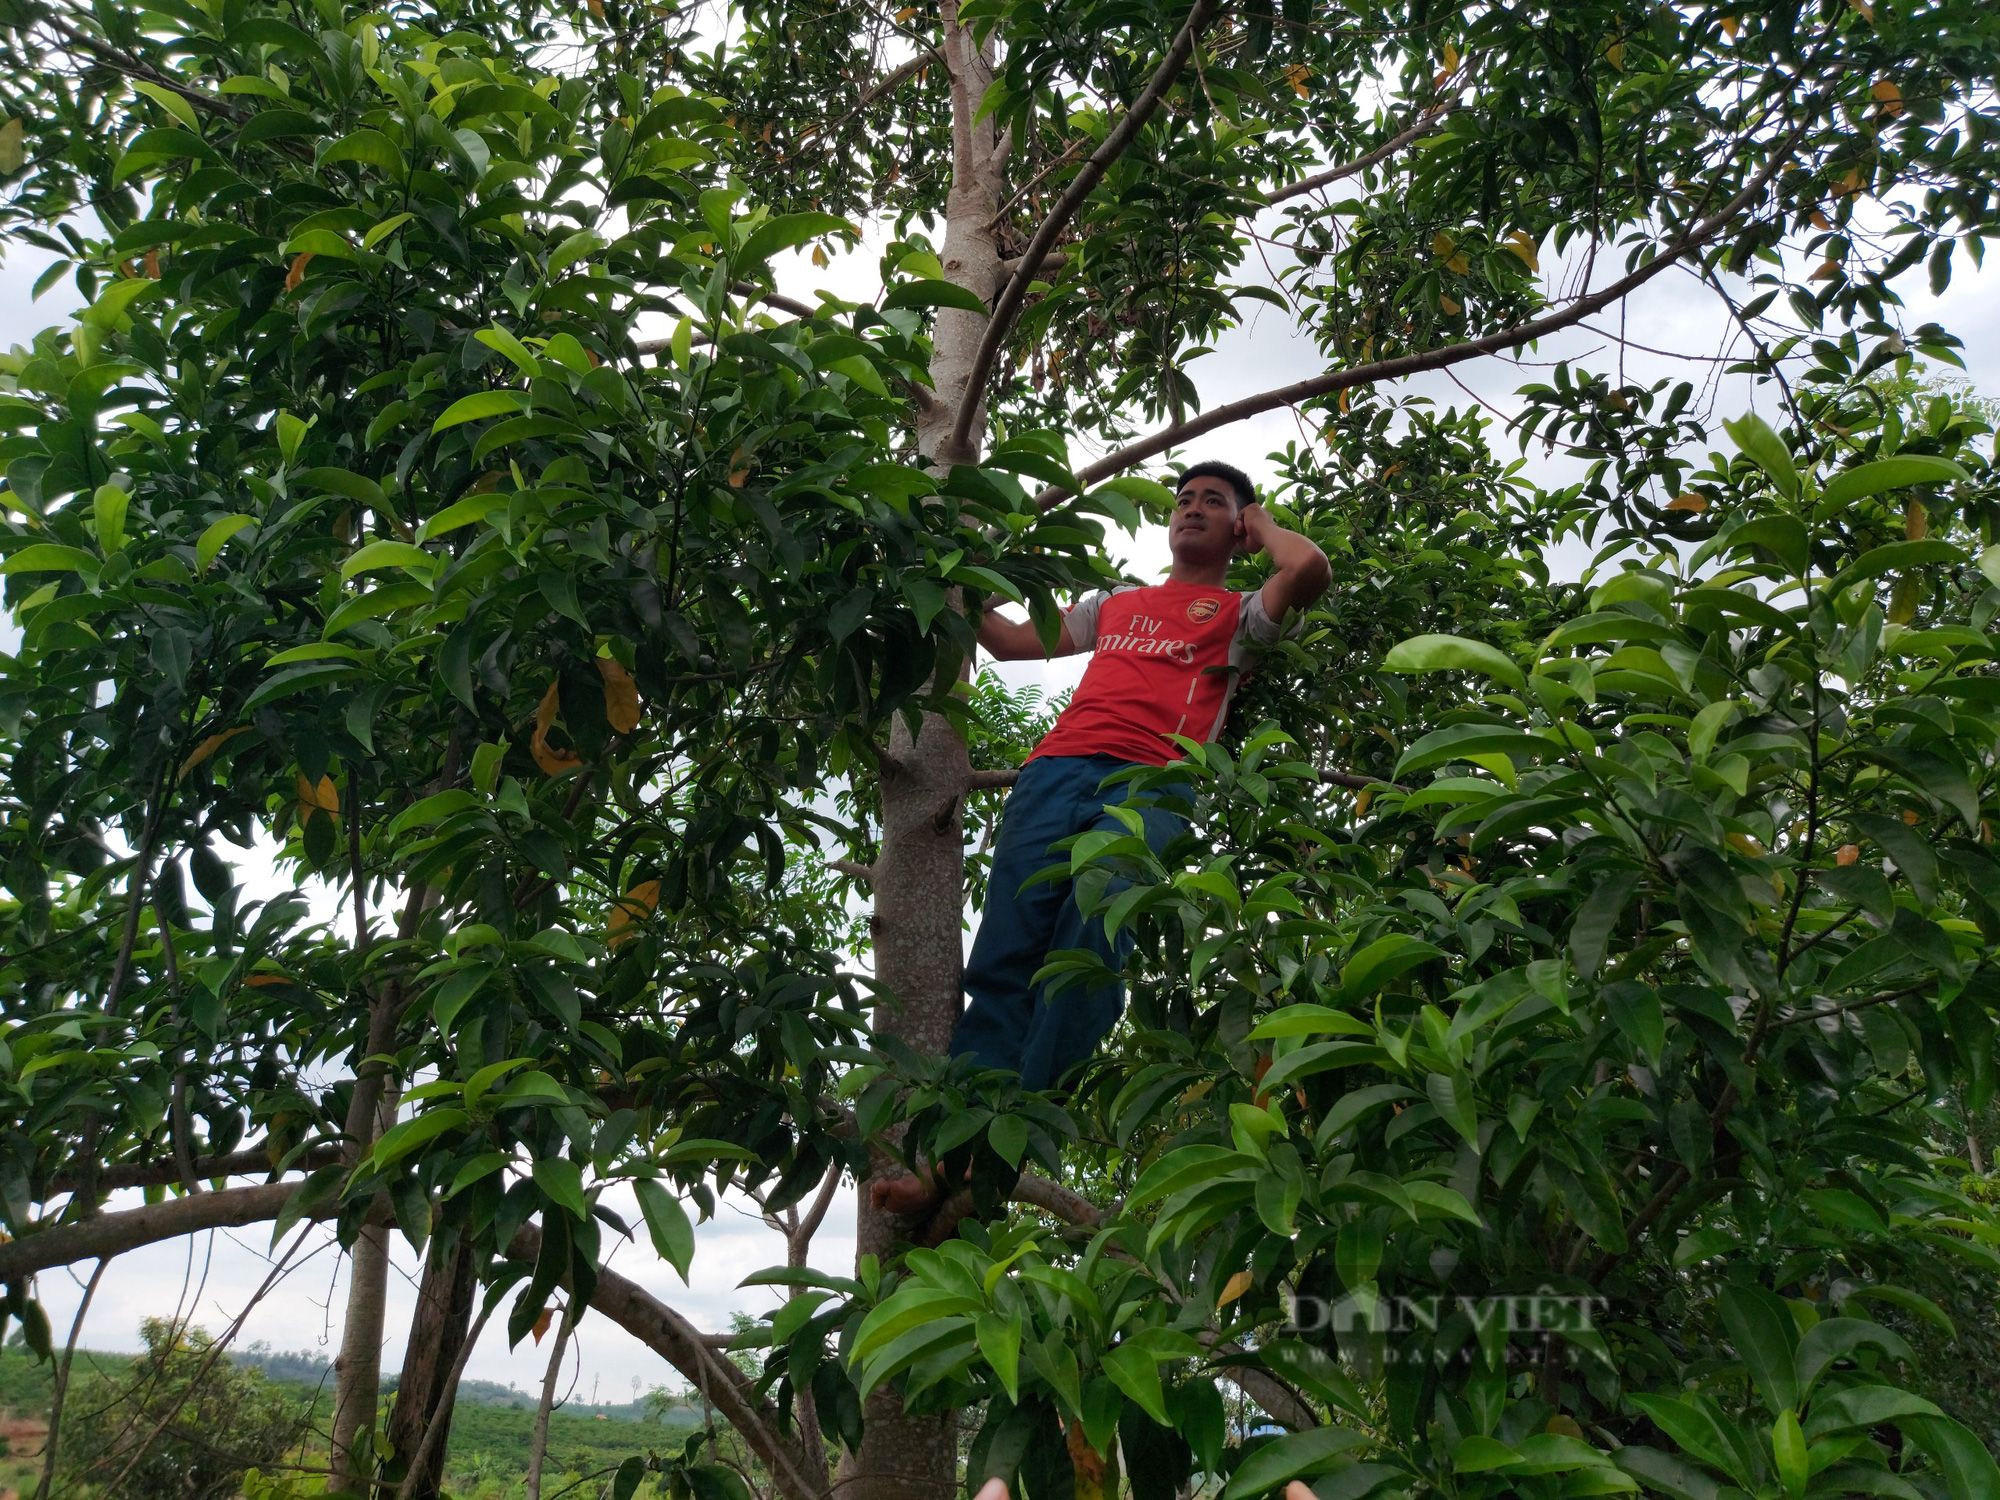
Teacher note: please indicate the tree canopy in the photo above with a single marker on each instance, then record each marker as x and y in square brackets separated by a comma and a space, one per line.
[1560, 1058]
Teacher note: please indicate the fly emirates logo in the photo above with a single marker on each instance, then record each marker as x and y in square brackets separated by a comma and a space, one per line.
[1142, 638]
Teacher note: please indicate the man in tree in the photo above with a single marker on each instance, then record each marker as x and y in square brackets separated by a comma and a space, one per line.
[1167, 659]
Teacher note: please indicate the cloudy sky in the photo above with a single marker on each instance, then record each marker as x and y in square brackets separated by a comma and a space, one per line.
[211, 1278]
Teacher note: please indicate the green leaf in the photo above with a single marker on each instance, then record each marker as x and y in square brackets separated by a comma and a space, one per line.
[372, 606]
[787, 230]
[1382, 962]
[934, 294]
[50, 557]
[1000, 1346]
[400, 1140]
[171, 102]
[1895, 557]
[1788, 1454]
[107, 514]
[479, 405]
[1451, 653]
[1784, 535]
[1297, 1453]
[1886, 474]
[562, 1180]
[1767, 450]
[388, 555]
[1455, 1105]
[1135, 1372]
[1766, 1338]
[1837, 1338]
[667, 1222]
[1969, 1470]
[368, 148]
[500, 339]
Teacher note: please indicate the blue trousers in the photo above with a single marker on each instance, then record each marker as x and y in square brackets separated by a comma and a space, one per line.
[1009, 1020]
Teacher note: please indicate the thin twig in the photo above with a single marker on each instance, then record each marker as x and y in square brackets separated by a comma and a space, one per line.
[1424, 126]
[53, 1441]
[1007, 306]
[1431, 359]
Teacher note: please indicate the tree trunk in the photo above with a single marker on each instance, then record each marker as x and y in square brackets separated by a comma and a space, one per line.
[358, 1369]
[920, 872]
[437, 1333]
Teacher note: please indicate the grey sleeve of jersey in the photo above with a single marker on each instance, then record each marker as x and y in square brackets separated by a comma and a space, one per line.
[1081, 620]
[1255, 623]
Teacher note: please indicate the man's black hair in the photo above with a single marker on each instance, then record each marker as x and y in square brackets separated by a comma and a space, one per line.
[1229, 474]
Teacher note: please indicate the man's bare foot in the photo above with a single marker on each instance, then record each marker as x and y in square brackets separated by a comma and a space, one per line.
[996, 1489]
[905, 1195]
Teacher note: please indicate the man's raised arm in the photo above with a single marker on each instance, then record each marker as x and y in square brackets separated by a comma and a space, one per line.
[1017, 640]
[1302, 569]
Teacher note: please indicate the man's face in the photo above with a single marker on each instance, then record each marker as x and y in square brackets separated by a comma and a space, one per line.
[1203, 529]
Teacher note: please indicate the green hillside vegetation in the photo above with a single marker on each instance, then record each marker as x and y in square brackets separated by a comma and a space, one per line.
[489, 1439]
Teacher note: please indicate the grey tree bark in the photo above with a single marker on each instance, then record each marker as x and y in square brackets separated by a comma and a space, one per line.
[921, 869]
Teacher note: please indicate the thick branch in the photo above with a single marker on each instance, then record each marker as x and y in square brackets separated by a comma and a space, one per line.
[128, 1229]
[986, 781]
[1426, 123]
[1429, 359]
[1008, 306]
[851, 870]
[677, 1341]
[251, 1163]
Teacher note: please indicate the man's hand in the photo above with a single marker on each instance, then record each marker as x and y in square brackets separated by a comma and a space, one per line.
[1302, 569]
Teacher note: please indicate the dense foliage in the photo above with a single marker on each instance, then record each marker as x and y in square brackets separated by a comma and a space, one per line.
[1587, 1101]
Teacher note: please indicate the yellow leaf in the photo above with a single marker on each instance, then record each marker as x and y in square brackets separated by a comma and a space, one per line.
[208, 747]
[1847, 854]
[1688, 502]
[1820, 220]
[1563, 1426]
[1236, 1286]
[739, 469]
[1827, 271]
[1361, 800]
[1296, 75]
[820, 257]
[552, 761]
[1443, 245]
[621, 695]
[297, 273]
[1851, 183]
[324, 795]
[1450, 58]
[1911, 816]
[904, 14]
[542, 1322]
[13, 150]
[1916, 521]
[1345, 392]
[152, 264]
[596, 8]
[1459, 264]
[1890, 97]
[1730, 26]
[628, 910]
[1615, 55]
[1863, 9]
[1451, 308]
[1903, 601]
[1521, 246]
[1744, 844]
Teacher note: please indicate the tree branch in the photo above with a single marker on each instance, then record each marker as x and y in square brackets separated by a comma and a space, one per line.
[852, 870]
[1425, 124]
[1007, 306]
[986, 781]
[128, 1229]
[251, 1163]
[896, 77]
[675, 1340]
[1429, 359]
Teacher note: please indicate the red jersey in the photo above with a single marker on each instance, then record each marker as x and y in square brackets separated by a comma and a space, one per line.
[1166, 661]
